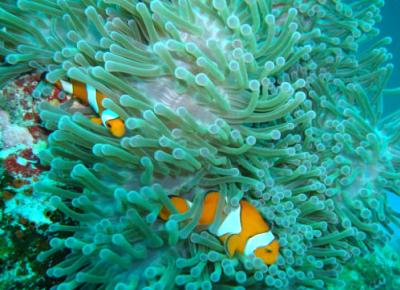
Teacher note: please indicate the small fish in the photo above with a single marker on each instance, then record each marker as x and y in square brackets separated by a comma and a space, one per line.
[243, 230]
[88, 95]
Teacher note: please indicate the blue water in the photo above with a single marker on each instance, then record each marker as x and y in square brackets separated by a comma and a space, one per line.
[390, 26]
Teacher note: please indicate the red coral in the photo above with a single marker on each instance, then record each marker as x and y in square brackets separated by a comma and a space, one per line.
[31, 169]
[14, 168]
[37, 132]
[28, 154]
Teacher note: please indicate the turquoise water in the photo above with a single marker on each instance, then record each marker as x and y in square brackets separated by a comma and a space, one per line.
[390, 26]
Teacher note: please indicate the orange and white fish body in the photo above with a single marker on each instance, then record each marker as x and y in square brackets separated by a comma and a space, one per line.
[88, 95]
[242, 230]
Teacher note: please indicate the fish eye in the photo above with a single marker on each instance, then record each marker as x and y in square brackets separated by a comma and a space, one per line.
[108, 125]
[268, 251]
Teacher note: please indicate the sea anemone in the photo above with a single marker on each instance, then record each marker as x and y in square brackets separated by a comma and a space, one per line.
[377, 270]
[276, 102]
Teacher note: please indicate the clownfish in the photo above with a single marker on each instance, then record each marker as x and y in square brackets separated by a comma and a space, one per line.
[242, 230]
[88, 95]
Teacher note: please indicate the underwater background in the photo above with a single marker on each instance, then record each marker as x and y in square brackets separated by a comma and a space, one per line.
[81, 209]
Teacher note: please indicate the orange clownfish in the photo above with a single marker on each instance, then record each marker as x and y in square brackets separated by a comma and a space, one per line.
[88, 95]
[242, 230]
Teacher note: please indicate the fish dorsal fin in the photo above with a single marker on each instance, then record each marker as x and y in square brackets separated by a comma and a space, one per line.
[231, 224]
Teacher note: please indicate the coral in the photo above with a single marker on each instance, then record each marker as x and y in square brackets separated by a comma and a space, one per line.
[24, 215]
[14, 135]
[23, 164]
[21, 240]
[4, 118]
[21, 141]
[11, 134]
[19, 119]
[277, 102]
[20, 169]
